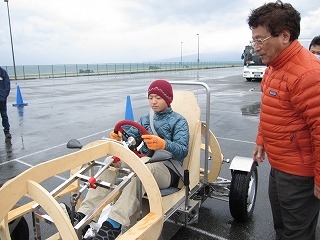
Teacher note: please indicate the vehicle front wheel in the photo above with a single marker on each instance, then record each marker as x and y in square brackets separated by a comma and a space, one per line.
[249, 79]
[243, 192]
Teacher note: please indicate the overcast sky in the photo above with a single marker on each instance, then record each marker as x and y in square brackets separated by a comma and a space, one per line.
[109, 31]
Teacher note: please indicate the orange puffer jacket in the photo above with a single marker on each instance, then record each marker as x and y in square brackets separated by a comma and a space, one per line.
[289, 128]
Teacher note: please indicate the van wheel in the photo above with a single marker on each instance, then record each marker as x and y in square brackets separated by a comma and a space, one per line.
[249, 79]
[21, 230]
[243, 192]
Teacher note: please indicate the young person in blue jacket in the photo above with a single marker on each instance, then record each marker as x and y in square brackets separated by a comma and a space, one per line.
[172, 134]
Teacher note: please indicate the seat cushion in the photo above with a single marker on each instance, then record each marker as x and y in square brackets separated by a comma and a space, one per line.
[168, 191]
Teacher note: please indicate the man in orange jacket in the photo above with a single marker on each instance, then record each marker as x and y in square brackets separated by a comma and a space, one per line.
[289, 127]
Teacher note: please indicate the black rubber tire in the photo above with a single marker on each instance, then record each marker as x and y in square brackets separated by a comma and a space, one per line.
[249, 79]
[243, 192]
[21, 231]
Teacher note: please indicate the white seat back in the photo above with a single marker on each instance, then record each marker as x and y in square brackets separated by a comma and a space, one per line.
[185, 103]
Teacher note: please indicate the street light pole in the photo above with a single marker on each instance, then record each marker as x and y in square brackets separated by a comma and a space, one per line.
[181, 54]
[198, 51]
[14, 62]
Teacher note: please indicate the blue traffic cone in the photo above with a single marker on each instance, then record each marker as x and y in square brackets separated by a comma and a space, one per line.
[19, 100]
[129, 112]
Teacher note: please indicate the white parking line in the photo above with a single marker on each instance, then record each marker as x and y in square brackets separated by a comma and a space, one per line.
[201, 231]
[206, 233]
[235, 140]
[47, 149]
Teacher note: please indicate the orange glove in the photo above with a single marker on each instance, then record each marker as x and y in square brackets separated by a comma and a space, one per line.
[154, 142]
[115, 136]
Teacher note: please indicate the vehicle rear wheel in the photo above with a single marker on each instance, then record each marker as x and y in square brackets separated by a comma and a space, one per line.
[243, 192]
[249, 79]
[21, 230]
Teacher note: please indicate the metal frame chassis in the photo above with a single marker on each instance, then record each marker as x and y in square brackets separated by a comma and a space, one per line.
[38, 216]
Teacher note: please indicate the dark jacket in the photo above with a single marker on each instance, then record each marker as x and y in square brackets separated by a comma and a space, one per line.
[4, 84]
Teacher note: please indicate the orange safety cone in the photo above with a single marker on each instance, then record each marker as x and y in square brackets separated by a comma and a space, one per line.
[129, 111]
[19, 100]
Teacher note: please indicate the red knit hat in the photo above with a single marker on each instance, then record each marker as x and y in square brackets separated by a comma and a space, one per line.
[163, 89]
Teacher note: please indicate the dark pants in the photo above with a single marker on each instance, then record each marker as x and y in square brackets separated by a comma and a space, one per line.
[4, 116]
[294, 207]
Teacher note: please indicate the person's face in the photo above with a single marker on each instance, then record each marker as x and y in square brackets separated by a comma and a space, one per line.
[270, 47]
[157, 103]
[315, 49]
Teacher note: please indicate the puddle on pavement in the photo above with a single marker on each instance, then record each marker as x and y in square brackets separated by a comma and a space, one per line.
[21, 120]
[6, 153]
[251, 110]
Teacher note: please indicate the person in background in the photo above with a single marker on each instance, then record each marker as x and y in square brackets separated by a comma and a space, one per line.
[314, 46]
[289, 126]
[4, 93]
[169, 131]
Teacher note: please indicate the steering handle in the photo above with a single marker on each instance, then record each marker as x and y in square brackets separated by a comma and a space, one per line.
[118, 126]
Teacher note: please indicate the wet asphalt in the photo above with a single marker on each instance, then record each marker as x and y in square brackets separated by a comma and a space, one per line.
[87, 108]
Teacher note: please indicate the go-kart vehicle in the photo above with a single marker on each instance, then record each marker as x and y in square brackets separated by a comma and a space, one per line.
[87, 164]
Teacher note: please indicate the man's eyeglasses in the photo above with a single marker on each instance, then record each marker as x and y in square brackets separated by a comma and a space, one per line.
[259, 42]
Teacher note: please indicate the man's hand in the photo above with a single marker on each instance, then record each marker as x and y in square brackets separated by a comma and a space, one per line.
[317, 191]
[259, 154]
[116, 136]
[154, 142]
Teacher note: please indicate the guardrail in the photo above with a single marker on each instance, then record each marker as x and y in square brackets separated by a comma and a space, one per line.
[73, 70]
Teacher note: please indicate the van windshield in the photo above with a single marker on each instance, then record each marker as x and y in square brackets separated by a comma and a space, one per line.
[251, 58]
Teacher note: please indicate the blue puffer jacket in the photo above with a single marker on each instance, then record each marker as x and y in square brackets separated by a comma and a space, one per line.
[4, 85]
[170, 126]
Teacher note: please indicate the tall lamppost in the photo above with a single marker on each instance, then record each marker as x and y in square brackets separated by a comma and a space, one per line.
[181, 54]
[14, 62]
[198, 60]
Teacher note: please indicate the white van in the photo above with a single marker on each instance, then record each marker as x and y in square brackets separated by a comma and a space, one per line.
[253, 68]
